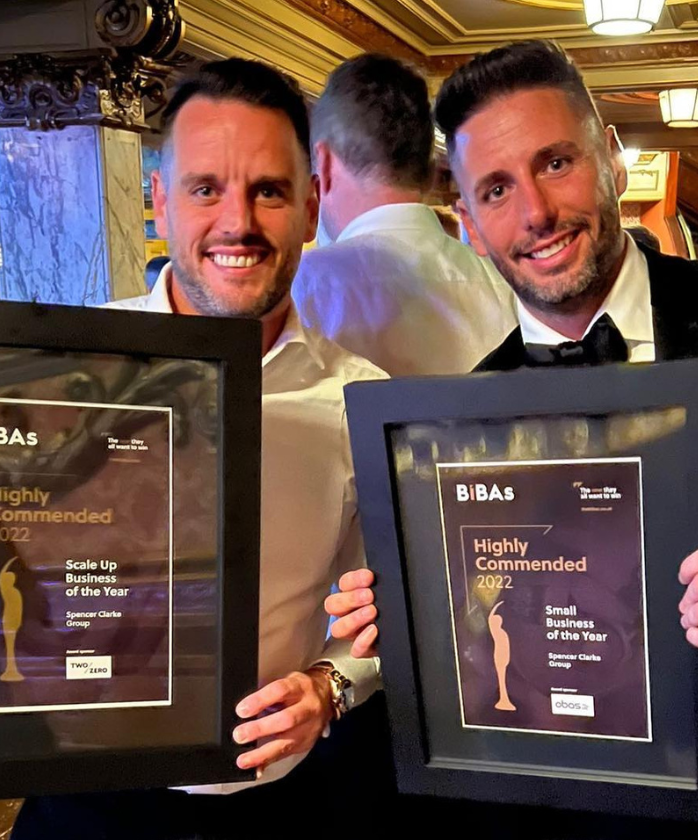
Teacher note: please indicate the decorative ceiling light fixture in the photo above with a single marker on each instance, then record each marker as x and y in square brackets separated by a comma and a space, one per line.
[622, 17]
[679, 107]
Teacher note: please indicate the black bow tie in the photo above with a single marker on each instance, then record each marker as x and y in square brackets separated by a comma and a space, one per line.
[603, 343]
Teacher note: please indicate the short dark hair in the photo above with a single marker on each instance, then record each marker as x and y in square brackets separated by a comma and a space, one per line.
[375, 114]
[520, 66]
[247, 81]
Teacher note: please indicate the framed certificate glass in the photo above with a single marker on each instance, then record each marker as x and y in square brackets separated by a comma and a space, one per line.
[527, 530]
[129, 532]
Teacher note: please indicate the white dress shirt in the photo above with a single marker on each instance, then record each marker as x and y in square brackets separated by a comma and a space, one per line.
[628, 303]
[397, 290]
[310, 532]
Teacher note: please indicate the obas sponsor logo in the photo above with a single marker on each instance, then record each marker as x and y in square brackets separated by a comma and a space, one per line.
[484, 493]
[11, 437]
[576, 705]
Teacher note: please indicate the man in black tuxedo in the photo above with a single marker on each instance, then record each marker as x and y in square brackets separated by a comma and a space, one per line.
[540, 178]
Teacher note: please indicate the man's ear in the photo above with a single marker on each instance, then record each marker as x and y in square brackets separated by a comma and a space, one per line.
[615, 151]
[464, 214]
[323, 157]
[312, 208]
[159, 204]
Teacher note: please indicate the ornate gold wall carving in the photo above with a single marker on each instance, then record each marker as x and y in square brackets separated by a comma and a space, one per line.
[576, 5]
[343, 18]
[271, 30]
[658, 59]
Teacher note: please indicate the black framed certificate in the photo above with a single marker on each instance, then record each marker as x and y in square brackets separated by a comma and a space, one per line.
[527, 529]
[129, 534]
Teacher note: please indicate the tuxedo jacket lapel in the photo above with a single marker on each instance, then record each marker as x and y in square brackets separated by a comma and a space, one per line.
[510, 354]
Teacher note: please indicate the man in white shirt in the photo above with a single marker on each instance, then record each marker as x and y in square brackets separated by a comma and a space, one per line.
[393, 286]
[235, 199]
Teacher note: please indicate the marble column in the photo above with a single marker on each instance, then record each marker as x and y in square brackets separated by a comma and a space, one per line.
[2, 265]
[73, 91]
[71, 215]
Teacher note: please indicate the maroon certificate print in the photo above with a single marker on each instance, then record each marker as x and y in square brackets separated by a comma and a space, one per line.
[545, 568]
[85, 555]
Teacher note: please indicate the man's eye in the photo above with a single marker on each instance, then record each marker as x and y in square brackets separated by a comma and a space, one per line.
[204, 191]
[495, 193]
[269, 191]
[558, 164]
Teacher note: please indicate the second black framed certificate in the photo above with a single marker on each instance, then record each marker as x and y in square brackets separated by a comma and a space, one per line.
[527, 529]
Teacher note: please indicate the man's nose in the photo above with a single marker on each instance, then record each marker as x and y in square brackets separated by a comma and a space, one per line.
[235, 218]
[537, 210]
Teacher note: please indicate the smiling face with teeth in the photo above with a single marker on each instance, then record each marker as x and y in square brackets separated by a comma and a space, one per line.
[236, 202]
[539, 184]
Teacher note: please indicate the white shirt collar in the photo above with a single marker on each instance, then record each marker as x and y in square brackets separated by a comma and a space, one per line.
[159, 298]
[628, 303]
[391, 218]
[294, 332]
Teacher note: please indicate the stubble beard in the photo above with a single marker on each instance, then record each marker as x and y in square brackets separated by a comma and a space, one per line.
[205, 301]
[593, 279]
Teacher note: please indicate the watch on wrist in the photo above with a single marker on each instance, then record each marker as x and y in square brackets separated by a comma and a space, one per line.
[341, 689]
